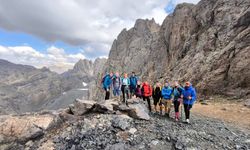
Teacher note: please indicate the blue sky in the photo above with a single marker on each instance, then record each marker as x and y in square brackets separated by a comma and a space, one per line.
[71, 30]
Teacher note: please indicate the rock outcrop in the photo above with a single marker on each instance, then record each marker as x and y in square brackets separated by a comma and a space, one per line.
[207, 43]
[26, 127]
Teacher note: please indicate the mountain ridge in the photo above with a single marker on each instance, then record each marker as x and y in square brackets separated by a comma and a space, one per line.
[206, 44]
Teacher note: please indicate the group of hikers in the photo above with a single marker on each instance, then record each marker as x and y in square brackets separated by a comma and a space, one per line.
[163, 96]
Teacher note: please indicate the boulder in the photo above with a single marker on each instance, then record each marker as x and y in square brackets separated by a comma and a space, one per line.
[135, 109]
[132, 130]
[139, 111]
[81, 107]
[247, 103]
[134, 101]
[26, 127]
[122, 122]
[106, 106]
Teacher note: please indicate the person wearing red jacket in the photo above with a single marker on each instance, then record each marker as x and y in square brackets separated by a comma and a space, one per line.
[147, 93]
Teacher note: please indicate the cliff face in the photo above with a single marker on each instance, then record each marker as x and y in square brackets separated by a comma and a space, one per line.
[207, 43]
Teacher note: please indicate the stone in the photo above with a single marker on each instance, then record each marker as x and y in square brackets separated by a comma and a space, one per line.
[247, 103]
[29, 144]
[81, 107]
[138, 111]
[106, 106]
[224, 108]
[132, 130]
[27, 127]
[154, 142]
[122, 122]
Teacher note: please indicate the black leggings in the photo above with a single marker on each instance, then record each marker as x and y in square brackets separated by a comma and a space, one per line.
[187, 109]
[125, 91]
[148, 100]
[107, 94]
[176, 105]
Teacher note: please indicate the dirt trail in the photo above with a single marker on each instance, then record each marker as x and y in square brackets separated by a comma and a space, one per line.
[232, 112]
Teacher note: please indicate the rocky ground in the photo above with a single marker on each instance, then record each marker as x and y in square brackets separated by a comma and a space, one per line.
[107, 125]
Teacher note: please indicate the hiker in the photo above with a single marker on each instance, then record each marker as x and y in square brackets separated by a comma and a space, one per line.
[116, 83]
[157, 96]
[106, 82]
[147, 93]
[177, 90]
[189, 97]
[125, 88]
[166, 93]
[133, 82]
[138, 92]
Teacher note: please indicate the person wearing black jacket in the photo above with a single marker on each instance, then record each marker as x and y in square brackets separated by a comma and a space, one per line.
[157, 96]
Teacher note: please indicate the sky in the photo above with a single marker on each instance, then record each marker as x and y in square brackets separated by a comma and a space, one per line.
[57, 33]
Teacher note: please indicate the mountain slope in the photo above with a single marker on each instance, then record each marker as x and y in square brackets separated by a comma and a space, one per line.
[207, 43]
[24, 88]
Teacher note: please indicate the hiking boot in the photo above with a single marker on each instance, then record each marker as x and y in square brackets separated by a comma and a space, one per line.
[167, 115]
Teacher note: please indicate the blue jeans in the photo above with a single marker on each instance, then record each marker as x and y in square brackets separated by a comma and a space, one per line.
[116, 91]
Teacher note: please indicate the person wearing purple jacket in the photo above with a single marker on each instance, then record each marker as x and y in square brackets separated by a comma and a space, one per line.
[116, 83]
[189, 98]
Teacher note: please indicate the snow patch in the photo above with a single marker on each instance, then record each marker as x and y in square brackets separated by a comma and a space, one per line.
[84, 84]
[83, 89]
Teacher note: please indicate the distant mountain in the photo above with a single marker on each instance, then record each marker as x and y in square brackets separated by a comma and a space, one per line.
[24, 88]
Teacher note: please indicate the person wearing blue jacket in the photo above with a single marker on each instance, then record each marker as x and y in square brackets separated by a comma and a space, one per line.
[177, 90]
[189, 98]
[106, 83]
[133, 83]
[125, 88]
[166, 94]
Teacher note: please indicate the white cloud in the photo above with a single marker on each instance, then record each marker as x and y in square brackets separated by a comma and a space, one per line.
[93, 25]
[188, 1]
[78, 22]
[55, 58]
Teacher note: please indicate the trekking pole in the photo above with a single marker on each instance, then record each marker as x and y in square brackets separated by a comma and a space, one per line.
[181, 111]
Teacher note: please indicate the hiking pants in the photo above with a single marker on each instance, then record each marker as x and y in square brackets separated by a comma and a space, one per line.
[167, 104]
[132, 90]
[187, 109]
[107, 94]
[148, 100]
[125, 90]
[116, 91]
[176, 105]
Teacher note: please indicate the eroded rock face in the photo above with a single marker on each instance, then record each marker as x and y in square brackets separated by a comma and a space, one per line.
[207, 43]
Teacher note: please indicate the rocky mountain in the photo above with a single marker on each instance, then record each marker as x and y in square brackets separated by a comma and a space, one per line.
[207, 43]
[24, 88]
